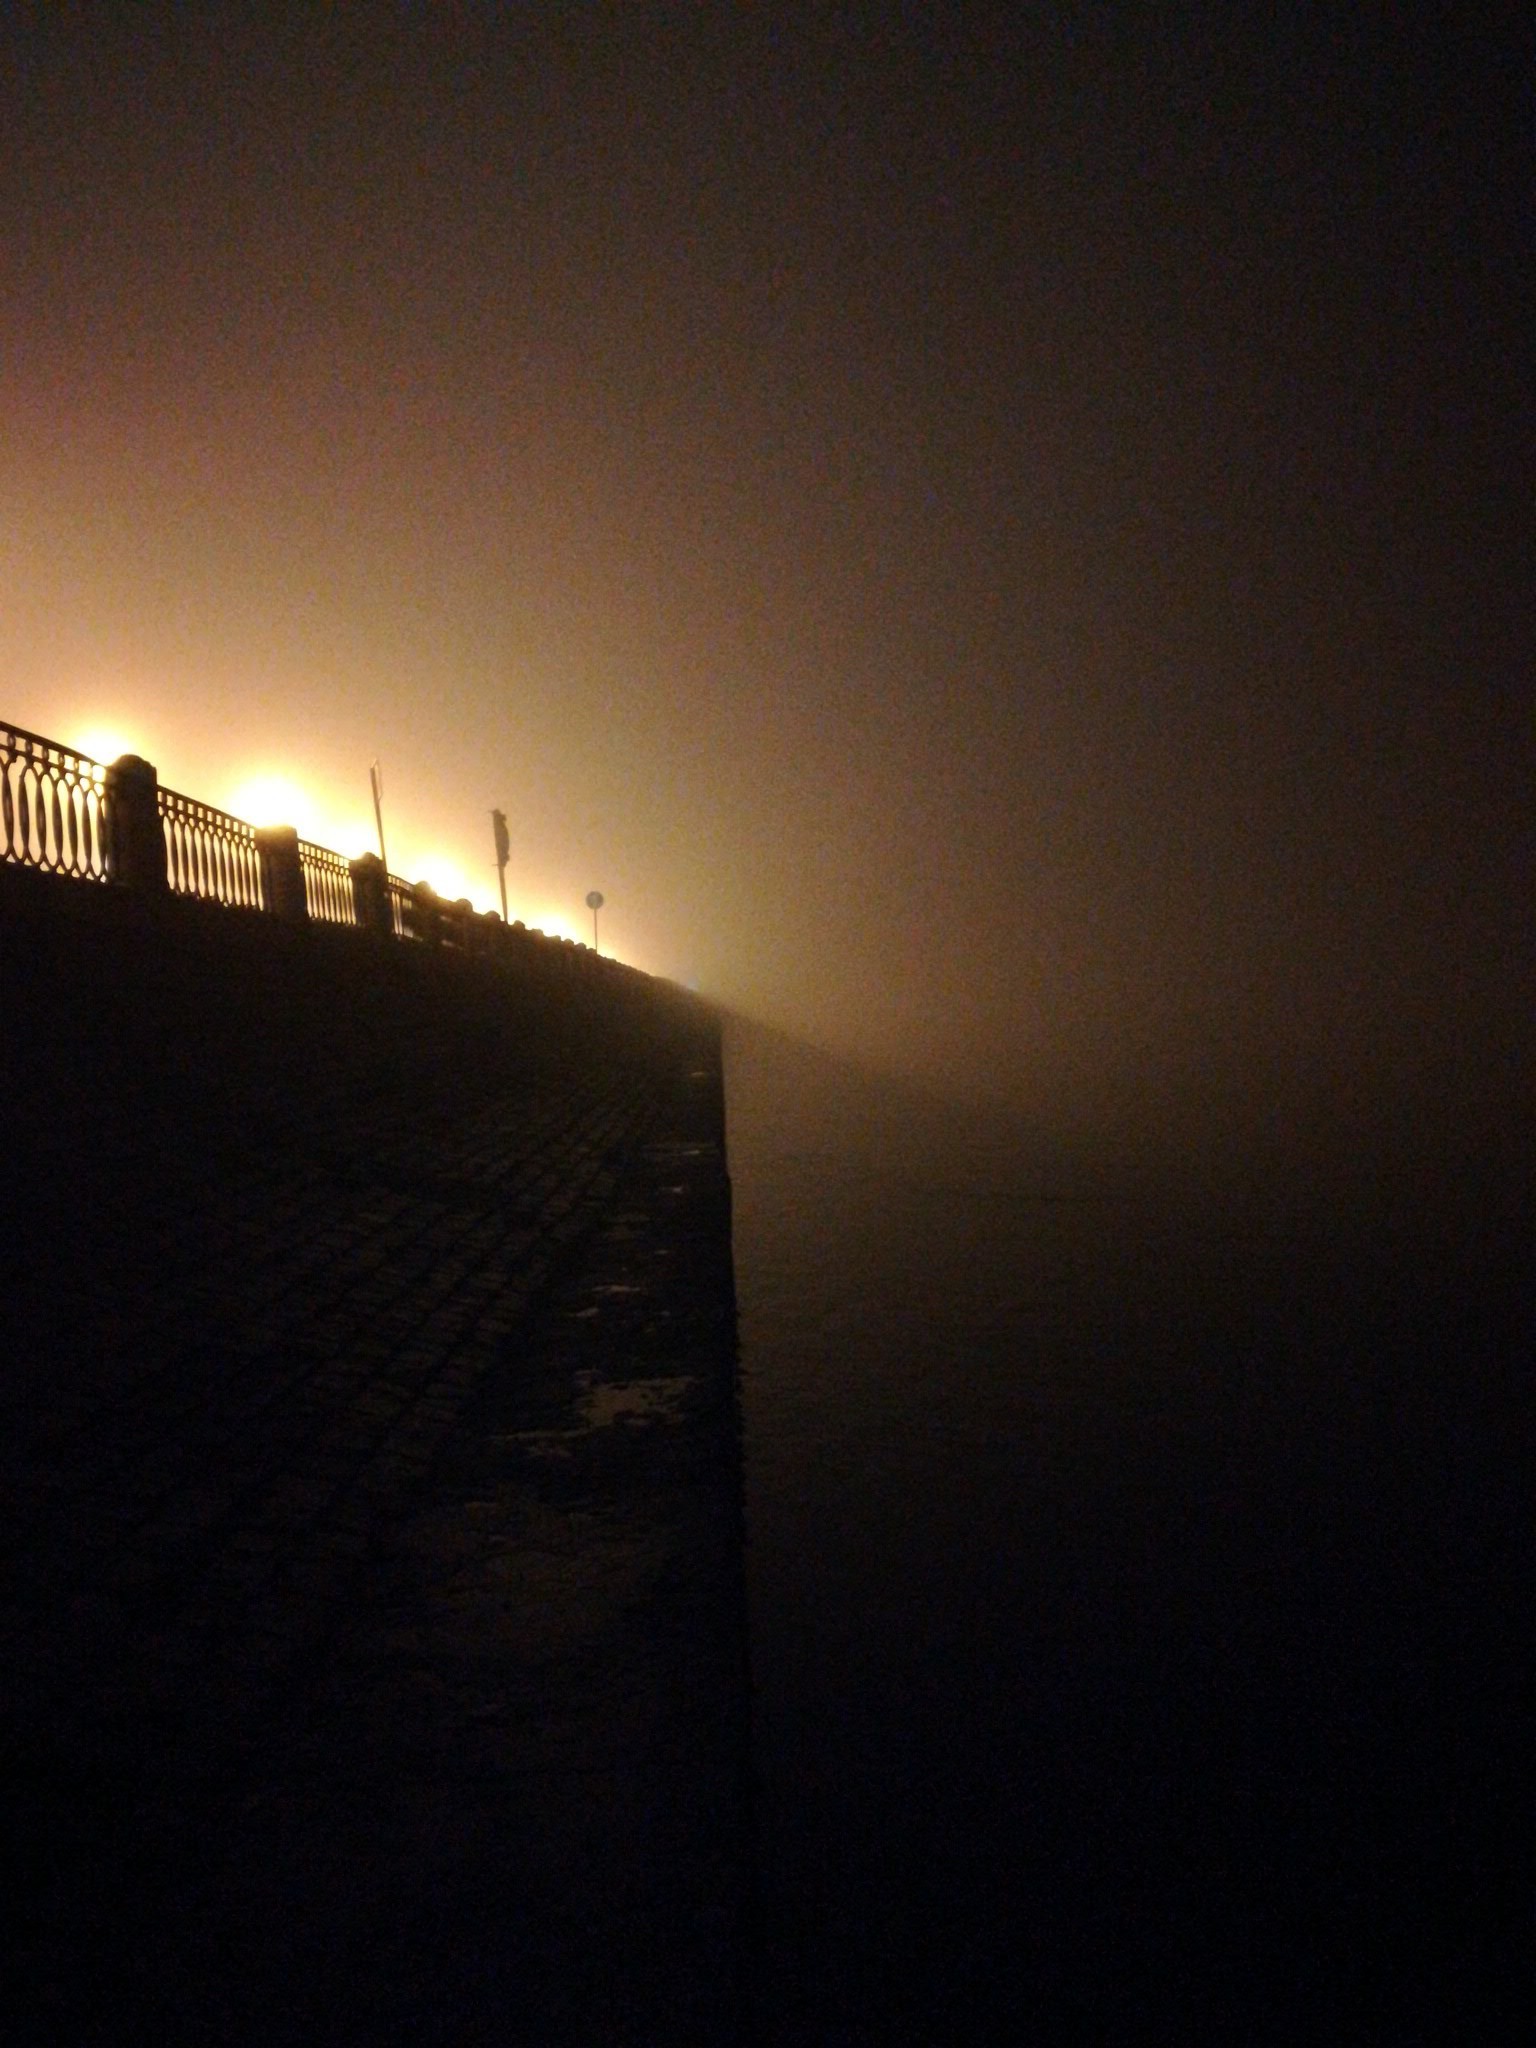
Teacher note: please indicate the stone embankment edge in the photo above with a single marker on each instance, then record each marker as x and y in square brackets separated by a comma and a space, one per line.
[631, 1365]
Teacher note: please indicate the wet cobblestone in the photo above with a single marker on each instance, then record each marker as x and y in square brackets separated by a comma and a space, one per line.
[302, 1646]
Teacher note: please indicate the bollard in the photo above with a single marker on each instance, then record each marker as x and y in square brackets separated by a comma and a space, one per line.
[282, 875]
[423, 915]
[135, 839]
[370, 895]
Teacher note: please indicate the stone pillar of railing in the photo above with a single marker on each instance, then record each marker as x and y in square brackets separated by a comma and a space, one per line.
[282, 875]
[370, 894]
[424, 914]
[488, 935]
[135, 839]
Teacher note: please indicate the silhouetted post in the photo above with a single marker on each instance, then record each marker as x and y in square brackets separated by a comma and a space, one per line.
[376, 782]
[458, 923]
[503, 854]
[134, 836]
[282, 873]
[487, 931]
[423, 918]
[370, 894]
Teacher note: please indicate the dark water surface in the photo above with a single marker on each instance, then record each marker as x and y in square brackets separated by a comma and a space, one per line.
[1139, 1583]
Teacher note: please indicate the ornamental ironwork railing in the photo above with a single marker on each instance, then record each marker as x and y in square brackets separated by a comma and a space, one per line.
[53, 812]
[328, 891]
[208, 853]
[69, 816]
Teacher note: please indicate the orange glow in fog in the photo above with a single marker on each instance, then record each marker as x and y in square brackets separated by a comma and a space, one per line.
[103, 743]
[270, 798]
[275, 800]
[268, 795]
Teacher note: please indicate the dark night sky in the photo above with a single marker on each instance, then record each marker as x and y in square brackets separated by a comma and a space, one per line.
[1003, 548]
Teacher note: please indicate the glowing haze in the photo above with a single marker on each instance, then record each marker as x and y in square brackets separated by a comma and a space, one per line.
[992, 547]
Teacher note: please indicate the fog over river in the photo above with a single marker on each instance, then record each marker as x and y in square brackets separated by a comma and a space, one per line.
[1135, 1556]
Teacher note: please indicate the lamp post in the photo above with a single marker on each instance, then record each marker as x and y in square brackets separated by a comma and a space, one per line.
[376, 778]
[503, 851]
[594, 904]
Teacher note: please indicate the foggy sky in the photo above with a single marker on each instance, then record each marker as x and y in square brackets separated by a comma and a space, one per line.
[1002, 549]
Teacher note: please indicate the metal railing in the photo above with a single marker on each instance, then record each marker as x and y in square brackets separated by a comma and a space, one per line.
[328, 892]
[209, 853]
[70, 816]
[53, 811]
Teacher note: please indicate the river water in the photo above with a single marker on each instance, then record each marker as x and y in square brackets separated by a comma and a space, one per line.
[1136, 1566]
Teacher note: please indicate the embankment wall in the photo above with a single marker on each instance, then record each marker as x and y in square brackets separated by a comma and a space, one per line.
[371, 1576]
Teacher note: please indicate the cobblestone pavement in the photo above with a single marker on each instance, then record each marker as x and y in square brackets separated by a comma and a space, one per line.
[213, 1442]
[372, 1552]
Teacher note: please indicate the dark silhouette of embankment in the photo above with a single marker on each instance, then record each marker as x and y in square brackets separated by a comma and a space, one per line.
[374, 1633]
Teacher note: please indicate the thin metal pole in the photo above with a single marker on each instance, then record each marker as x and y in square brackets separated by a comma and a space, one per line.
[503, 855]
[376, 778]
